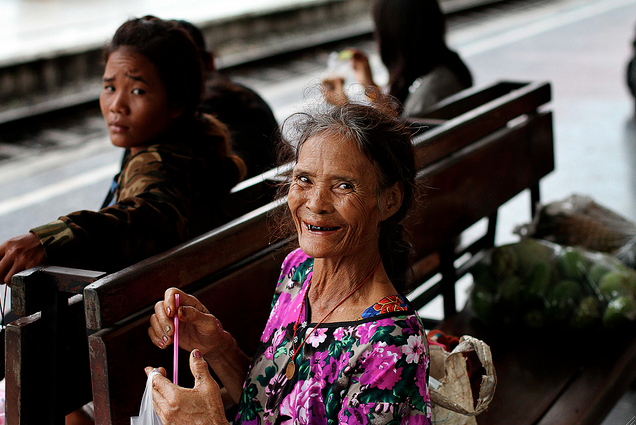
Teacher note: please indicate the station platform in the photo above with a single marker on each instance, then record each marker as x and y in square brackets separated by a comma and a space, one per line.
[40, 29]
[35, 29]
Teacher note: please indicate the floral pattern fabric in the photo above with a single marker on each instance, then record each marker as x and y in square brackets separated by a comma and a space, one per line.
[386, 305]
[370, 371]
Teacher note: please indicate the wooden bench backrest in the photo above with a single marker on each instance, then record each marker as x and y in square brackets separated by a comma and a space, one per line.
[470, 165]
[118, 295]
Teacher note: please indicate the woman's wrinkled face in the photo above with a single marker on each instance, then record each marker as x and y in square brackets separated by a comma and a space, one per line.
[133, 100]
[333, 199]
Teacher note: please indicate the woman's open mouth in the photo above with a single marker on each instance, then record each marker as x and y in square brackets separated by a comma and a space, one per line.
[313, 228]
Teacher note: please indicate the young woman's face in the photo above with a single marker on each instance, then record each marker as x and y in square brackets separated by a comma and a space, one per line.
[133, 100]
[334, 201]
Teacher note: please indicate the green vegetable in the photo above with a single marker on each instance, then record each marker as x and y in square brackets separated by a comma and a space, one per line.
[597, 272]
[614, 284]
[538, 281]
[619, 311]
[564, 293]
[572, 264]
[587, 314]
[531, 253]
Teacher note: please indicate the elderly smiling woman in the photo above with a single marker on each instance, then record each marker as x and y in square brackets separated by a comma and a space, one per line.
[341, 345]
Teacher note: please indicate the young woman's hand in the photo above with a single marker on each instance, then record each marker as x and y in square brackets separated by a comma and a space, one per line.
[18, 254]
[197, 327]
[199, 405]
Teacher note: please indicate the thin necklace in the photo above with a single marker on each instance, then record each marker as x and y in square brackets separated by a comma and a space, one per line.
[291, 367]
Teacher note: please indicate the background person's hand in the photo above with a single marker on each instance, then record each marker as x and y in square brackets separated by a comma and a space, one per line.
[197, 327]
[361, 68]
[18, 254]
[199, 405]
[333, 90]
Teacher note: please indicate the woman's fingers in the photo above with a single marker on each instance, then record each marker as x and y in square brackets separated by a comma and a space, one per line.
[157, 333]
[150, 369]
[169, 301]
[161, 326]
[198, 327]
[177, 405]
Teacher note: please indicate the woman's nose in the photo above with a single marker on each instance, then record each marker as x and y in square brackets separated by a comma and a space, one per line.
[119, 104]
[319, 201]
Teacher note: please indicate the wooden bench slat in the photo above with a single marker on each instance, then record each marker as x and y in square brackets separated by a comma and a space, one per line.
[467, 100]
[253, 193]
[477, 123]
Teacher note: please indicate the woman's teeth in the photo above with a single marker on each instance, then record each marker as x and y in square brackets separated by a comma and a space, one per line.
[320, 229]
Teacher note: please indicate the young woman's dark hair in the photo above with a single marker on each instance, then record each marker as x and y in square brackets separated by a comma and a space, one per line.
[174, 53]
[386, 141]
[411, 38]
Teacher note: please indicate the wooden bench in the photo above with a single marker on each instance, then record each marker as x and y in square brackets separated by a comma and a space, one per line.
[484, 147]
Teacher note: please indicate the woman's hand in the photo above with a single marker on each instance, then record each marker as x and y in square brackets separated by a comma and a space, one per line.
[333, 90]
[361, 68]
[197, 406]
[197, 327]
[18, 254]
[200, 330]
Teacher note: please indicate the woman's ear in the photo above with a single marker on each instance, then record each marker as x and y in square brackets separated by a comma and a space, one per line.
[392, 200]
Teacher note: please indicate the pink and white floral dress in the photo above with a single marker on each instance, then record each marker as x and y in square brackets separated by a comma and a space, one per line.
[370, 371]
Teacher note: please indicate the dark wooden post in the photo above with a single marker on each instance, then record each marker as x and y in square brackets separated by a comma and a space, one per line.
[46, 354]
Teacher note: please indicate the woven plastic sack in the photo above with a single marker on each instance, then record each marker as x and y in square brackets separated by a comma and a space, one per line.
[147, 414]
[451, 395]
[580, 221]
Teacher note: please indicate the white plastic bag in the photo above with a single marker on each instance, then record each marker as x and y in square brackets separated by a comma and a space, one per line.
[147, 414]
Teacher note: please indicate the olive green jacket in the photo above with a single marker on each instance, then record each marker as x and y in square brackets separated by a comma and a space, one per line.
[165, 195]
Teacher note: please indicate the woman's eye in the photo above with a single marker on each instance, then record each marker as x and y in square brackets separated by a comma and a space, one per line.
[345, 186]
[138, 91]
[303, 179]
[109, 88]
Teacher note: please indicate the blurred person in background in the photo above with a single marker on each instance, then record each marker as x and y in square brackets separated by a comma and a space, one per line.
[411, 40]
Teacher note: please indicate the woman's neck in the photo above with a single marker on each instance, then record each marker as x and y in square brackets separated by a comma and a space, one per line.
[333, 280]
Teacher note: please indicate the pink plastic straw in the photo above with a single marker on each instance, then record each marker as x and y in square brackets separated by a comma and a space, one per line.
[175, 355]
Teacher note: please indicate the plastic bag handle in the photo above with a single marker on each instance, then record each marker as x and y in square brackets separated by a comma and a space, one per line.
[175, 353]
